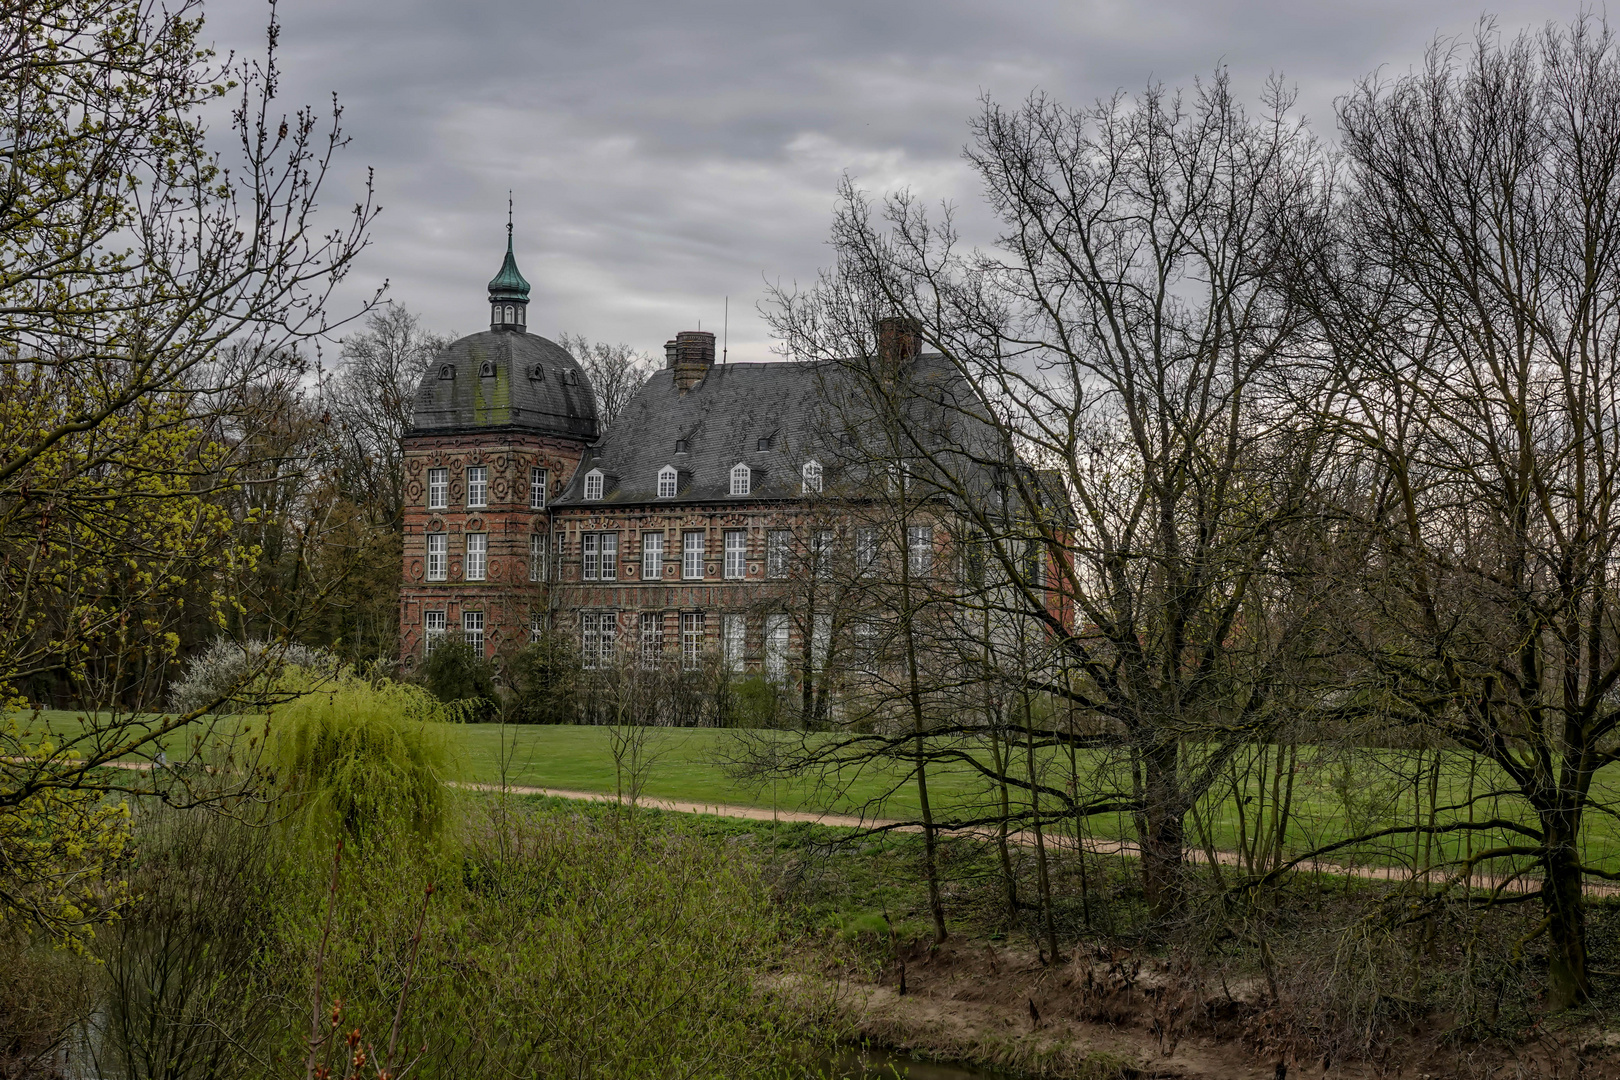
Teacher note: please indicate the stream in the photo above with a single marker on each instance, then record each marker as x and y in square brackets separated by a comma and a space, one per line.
[871, 1063]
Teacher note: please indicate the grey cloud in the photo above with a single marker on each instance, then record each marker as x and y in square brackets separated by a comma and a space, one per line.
[665, 155]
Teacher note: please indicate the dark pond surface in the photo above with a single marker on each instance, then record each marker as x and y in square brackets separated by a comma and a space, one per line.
[874, 1064]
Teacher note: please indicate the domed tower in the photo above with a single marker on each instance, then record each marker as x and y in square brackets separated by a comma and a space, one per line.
[501, 421]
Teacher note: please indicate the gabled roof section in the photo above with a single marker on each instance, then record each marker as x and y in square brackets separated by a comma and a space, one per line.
[723, 419]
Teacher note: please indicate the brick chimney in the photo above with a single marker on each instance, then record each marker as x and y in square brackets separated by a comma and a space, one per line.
[690, 356]
[899, 339]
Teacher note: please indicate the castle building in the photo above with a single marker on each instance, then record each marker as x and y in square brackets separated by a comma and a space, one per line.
[501, 421]
[676, 532]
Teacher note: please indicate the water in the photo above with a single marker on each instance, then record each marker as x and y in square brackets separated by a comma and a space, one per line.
[874, 1064]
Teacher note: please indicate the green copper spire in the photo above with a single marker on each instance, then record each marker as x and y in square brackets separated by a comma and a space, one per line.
[509, 284]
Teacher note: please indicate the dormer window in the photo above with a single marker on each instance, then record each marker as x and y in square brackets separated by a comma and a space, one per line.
[810, 478]
[487, 369]
[448, 371]
[765, 443]
[668, 480]
[593, 484]
[680, 446]
[741, 479]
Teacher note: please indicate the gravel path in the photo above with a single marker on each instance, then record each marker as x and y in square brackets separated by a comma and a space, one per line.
[1024, 838]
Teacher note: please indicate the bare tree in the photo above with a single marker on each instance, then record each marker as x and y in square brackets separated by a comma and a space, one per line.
[371, 397]
[1126, 343]
[615, 372]
[1466, 284]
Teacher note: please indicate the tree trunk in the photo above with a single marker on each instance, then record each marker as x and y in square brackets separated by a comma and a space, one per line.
[1568, 982]
[1162, 828]
[1009, 880]
[1042, 877]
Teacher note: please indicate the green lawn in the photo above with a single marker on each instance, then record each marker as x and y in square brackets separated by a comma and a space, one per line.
[1337, 792]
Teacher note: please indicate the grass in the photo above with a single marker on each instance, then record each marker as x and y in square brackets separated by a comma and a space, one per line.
[1338, 792]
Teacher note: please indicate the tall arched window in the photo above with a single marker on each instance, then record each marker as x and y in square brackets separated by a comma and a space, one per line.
[810, 478]
[593, 484]
[667, 482]
[511, 314]
[741, 478]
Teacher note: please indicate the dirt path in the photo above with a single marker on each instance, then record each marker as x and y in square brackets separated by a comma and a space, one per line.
[1118, 848]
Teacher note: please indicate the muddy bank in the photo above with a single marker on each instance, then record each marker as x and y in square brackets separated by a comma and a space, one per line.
[1102, 1016]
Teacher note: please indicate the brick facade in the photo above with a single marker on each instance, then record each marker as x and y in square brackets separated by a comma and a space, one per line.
[507, 596]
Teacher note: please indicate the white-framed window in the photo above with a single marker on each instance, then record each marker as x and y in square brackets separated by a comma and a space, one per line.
[668, 482]
[691, 640]
[599, 556]
[438, 549]
[778, 551]
[438, 489]
[432, 630]
[741, 479]
[866, 643]
[537, 556]
[477, 486]
[537, 488]
[652, 556]
[821, 551]
[472, 631]
[588, 626]
[562, 543]
[598, 637]
[652, 638]
[810, 478]
[820, 640]
[511, 314]
[593, 484]
[692, 555]
[776, 646]
[477, 555]
[866, 549]
[537, 626]
[734, 639]
[736, 554]
[920, 545]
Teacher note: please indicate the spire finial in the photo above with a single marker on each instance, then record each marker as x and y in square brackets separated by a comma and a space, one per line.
[508, 217]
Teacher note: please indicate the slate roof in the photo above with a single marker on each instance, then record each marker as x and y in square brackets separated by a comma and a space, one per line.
[722, 420]
[800, 407]
[505, 379]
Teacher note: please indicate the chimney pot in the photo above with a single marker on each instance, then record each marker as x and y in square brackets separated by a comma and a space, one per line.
[691, 355]
[899, 339]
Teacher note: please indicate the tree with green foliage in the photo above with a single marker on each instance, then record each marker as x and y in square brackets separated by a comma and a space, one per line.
[364, 759]
[144, 281]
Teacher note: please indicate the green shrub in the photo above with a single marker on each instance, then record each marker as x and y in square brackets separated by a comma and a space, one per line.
[364, 758]
[455, 672]
[545, 682]
[560, 944]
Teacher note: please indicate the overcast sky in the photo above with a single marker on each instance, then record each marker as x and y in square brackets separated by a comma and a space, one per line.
[664, 155]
